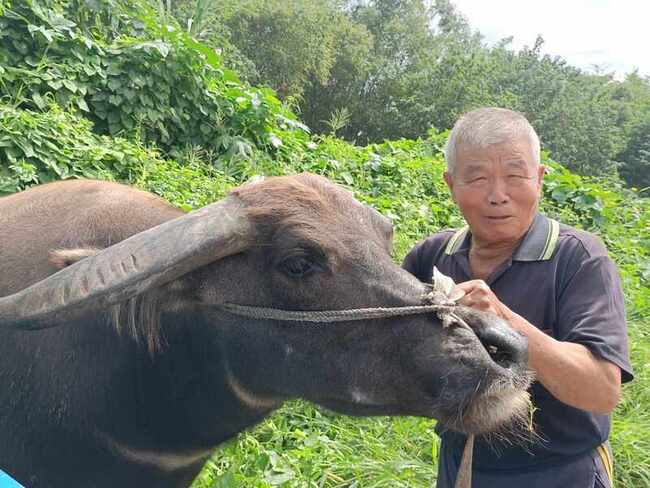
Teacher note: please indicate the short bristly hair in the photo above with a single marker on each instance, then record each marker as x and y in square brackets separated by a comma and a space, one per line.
[487, 126]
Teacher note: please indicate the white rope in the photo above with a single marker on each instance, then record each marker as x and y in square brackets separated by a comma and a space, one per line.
[441, 300]
[333, 315]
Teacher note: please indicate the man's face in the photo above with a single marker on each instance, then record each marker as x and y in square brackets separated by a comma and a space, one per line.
[497, 189]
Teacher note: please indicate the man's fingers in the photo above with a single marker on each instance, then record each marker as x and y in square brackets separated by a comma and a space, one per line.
[473, 285]
[474, 290]
[477, 301]
[478, 295]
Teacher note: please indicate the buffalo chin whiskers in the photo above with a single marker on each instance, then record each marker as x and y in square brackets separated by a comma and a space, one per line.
[503, 413]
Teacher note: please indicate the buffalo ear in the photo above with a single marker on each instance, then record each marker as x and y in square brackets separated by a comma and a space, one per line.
[62, 258]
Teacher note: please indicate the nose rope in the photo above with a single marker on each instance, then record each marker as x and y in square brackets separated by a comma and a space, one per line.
[445, 312]
[441, 299]
[464, 476]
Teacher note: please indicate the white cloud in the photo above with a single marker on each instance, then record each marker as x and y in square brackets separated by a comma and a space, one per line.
[612, 34]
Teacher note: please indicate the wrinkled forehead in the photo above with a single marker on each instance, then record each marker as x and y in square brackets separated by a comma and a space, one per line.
[512, 153]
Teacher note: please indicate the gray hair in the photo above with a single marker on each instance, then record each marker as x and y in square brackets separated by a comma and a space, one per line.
[487, 126]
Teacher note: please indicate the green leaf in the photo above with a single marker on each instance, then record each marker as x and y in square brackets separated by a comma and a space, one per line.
[81, 103]
[210, 54]
[114, 99]
[113, 69]
[225, 481]
[127, 122]
[347, 177]
[55, 84]
[32, 61]
[115, 84]
[28, 150]
[160, 46]
[88, 69]
[70, 85]
[39, 101]
[146, 100]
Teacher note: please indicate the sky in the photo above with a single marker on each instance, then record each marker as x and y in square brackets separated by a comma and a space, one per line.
[614, 35]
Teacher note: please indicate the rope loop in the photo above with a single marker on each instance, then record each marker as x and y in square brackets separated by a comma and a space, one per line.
[435, 302]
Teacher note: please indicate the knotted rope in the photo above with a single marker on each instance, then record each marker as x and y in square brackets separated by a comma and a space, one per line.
[322, 316]
[441, 300]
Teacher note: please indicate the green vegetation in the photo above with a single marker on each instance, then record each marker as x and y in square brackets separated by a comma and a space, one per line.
[385, 69]
[104, 90]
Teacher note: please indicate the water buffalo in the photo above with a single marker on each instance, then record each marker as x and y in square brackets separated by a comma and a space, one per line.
[120, 365]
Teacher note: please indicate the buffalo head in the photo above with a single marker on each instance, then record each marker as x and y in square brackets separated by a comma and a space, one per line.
[291, 243]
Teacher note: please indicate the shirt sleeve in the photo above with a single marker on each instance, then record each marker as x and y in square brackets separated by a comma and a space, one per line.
[591, 311]
[410, 262]
[420, 260]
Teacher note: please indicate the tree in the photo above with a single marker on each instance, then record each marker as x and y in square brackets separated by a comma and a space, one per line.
[635, 166]
[339, 93]
[391, 90]
[288, 41]
[633, 97]
[385, 69]
[574, 113]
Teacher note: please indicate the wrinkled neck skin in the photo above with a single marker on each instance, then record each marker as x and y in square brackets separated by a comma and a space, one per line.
[492, 251]
[485, 257]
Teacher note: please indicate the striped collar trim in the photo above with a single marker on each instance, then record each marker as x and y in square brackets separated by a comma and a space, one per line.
[538, 244]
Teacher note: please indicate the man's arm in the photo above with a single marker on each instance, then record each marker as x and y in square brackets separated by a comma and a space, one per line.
[568, 370]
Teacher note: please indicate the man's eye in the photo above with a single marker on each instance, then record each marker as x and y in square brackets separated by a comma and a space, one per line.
[478, 179]
[517, 180]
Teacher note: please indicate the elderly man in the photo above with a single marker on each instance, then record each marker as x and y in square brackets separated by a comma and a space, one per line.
[552, 283]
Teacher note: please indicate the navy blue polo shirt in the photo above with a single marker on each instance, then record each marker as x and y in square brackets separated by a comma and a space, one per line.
[562, 281]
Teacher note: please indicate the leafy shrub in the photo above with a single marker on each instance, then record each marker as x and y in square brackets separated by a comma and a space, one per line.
[152, 81]
[40, 147]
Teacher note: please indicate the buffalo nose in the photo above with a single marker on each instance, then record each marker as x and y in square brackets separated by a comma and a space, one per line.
[507, 347]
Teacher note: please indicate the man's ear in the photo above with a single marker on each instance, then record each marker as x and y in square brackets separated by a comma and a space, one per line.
[541, 171]
[450, 184]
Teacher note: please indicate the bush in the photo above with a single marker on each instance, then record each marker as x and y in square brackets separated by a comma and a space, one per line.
[151, 81]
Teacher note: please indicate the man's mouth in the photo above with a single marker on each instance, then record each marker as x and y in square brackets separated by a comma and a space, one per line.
[499, 217]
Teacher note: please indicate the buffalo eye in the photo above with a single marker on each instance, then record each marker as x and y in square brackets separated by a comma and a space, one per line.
[297, 266]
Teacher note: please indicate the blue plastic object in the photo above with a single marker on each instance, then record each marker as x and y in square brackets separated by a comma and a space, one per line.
[7, 481]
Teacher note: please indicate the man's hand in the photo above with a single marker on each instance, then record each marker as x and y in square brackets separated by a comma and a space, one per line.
[568, 370]
[478, 295]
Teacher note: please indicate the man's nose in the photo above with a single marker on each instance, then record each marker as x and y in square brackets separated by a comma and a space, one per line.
[498, 194]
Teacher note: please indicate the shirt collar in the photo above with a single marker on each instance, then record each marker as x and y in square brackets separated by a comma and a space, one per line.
[538, 243]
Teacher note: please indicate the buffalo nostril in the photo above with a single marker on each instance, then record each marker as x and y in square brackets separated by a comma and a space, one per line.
[506, 347]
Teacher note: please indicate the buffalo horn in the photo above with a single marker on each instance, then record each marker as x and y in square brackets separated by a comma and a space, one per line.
[130, 267]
